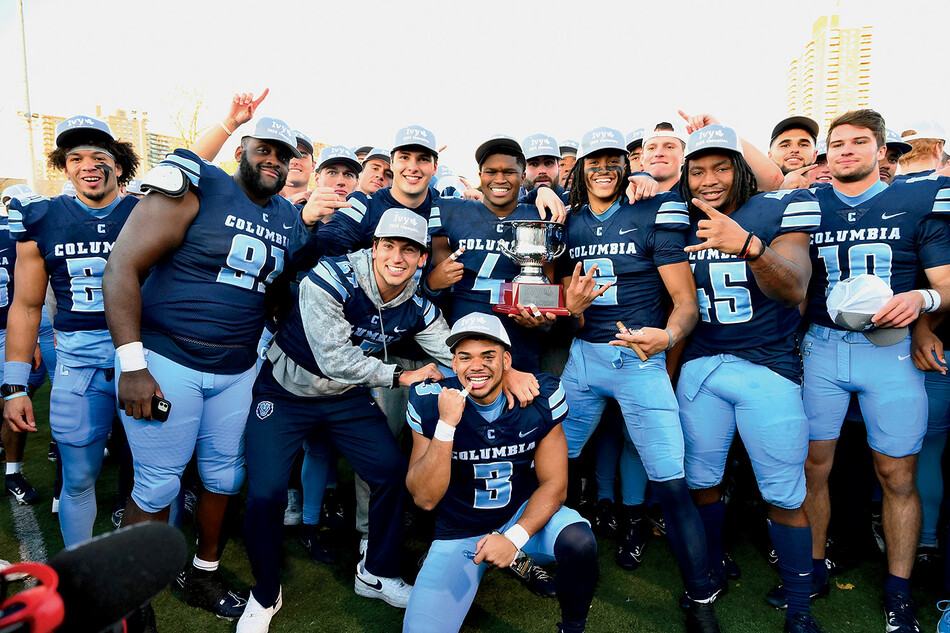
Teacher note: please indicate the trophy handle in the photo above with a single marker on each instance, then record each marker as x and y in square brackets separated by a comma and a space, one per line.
[559, 251]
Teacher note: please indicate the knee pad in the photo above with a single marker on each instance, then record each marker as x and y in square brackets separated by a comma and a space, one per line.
[576, 539]
[222, 479]
[157, 496]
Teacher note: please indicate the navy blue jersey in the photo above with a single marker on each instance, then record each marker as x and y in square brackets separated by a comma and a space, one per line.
[916, 174]
[628, 248]
[492, 462]
[7, 261]
[472, 224]
[735, 315]
[75, 244]
[352, 228]
[891, 235]
[529, 197]
[370, 328]
[203, 305]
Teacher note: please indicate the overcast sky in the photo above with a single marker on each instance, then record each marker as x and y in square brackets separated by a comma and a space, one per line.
[353, 72]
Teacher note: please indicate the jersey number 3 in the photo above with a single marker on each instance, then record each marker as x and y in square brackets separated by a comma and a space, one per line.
[497, 492]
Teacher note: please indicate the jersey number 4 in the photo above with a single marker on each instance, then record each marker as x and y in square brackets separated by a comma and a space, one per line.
[246, 261]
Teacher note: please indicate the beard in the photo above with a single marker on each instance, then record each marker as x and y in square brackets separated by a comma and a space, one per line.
[253, 181]
[855, 176]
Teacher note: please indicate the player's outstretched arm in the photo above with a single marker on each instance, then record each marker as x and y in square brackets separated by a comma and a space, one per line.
[679, 282]
[241, 110]
[23, 325]
[156, 227]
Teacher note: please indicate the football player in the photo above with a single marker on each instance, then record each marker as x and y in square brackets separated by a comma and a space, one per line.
[568, 149]
[209, 244]
[498, 478]
[740, 367]
[889, 231]
[927, 138]
[542, 158]
[623, 257]
[635, 149]
[792, 145]
[297, 189]
[889, 168]
[376, 173]
[65, 242]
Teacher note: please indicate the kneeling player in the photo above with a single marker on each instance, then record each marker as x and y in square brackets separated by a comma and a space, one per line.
[473, 460]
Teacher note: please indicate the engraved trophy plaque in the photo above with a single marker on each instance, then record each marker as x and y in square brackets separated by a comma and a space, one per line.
[531, 244]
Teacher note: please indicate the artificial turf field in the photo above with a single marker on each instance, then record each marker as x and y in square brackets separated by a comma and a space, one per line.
[320, 597]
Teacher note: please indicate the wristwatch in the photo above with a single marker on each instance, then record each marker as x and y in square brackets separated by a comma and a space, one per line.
[396, 374]
[9, 390]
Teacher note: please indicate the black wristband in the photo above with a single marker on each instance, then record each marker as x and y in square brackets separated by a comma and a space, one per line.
[745, 246]
[396, 374]
[761, 253]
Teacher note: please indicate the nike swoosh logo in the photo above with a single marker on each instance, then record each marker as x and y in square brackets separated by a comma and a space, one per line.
[885, 216]
[288, 227]
[3, 250]
[625, 231]
[527, 433]
[899, 357]
[377, 585]
[399, 330]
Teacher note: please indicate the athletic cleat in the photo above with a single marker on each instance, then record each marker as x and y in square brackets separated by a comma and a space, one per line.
[779, 599]
[701, 617]
[899, 614]
[332, 513]
[317, 546]
[393, 591]
[20, 488]
[256, 619]
[630, 553]
[539, 582]
[605, 519]
[943, 626]
[207, 591]
[802, 623]
[717, 593]
[293, 515]
[729, 568]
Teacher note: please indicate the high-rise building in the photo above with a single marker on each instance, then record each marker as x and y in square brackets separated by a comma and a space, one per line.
[150, 147]
[833, 74]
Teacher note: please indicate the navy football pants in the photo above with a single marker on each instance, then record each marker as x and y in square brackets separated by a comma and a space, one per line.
[277, 425]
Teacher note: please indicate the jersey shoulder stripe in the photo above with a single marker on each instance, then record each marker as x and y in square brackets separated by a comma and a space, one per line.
[330, 276]
[413, 419]
[673, 214]
[804, 214]
[942, 201]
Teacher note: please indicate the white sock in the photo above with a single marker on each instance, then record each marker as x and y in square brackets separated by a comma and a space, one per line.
[14, 467]
[205, 565]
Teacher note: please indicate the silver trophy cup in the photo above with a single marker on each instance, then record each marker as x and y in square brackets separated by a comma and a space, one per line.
[531, 244]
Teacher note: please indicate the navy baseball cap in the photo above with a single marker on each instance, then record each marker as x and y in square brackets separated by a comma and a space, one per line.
[635, 138]
[404, 224]
[276, 131]
[894, 141]
[378, 153]
[303, 139]
[68, 129]
[415, 136]
[478, 324]
[499, 141]
[540, 145]
[338, 154]
[713, 138]
[568, 147]
[363, 149]
[602, 138]
[795, 123]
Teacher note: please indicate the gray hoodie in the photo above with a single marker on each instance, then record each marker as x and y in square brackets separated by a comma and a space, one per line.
[328, 333]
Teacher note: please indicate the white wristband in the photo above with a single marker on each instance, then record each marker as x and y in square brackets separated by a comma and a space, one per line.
[131, 356]
[517, 535]
[444, 432]
[931, 299]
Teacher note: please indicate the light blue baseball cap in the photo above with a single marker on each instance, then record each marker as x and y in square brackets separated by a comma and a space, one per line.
[67, 130]
[478, 324]
[69, 189]
[894, 141]
[277, 131]
[303, 139]
[540, 145]
[635, 138]
[15, 191]
[378, 153]
[415, 136]
[600, 139]
[821, 148]
[713, 137]
[404, 224]
[338, 154]
[568, 147]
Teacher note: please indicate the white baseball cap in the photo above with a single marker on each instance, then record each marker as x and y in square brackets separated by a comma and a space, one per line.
[924, 129]
[404, 224]
[852, 303]
[479, 325]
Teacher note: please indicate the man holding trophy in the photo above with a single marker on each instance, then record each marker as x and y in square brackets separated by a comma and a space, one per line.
[469, 238]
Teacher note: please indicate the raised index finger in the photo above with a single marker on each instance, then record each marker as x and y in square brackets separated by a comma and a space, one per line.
[257, 101]
[805, 169]
[708, 210]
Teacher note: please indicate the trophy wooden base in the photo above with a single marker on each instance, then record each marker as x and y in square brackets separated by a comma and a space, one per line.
[547, 297]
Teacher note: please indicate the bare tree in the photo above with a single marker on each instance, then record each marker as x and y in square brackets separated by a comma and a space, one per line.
[187, 106]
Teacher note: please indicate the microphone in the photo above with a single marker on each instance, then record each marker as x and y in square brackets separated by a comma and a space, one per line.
[105, 579]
